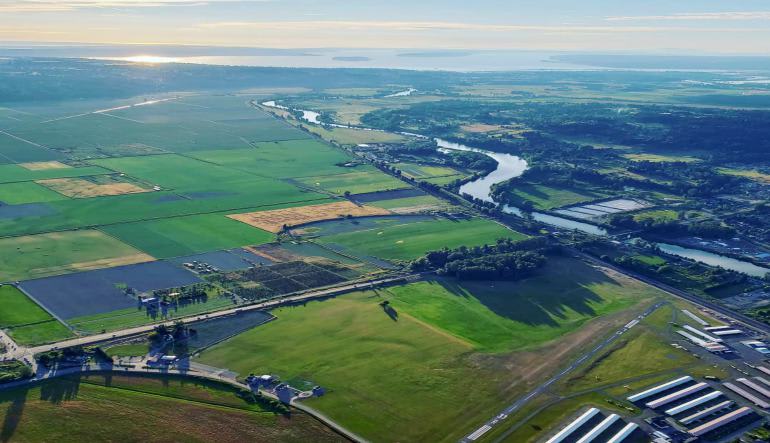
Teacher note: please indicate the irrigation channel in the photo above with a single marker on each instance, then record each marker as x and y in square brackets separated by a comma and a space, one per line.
[511, 166]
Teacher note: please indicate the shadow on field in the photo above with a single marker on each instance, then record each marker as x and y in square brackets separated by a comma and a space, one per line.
[63, 389]
[13, 414]
[560, 287]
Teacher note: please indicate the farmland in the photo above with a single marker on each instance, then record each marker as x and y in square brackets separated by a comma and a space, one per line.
[275, 220]
[177, 236]
[95, 408]
[548, 197]
[18, 309]
[59, 253]
[439, 336]
[355, 182]
[411, 240]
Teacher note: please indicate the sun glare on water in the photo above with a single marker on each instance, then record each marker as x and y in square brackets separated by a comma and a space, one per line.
[150, 59]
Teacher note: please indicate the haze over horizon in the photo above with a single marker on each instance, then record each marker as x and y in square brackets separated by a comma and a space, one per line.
[702, 27]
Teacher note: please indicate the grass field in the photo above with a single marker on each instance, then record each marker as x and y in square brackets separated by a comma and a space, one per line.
[384, 377]
[547, 197]
[26, 192]
[659, 158]
[16, 173]
[100, 409]
[411, 240]
[657, 214]
[296, 158]
[355, 182]
[18, 309]
[508, 316]
[42, 255]
[40, 333]
[128, 350]
[418, 171]
[402, 372]
[747, 173]
[410, 204]
[652, 260]
[345, 136]
[177, 236]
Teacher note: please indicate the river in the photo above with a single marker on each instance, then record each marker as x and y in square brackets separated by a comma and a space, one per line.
[511, 166]
[713, 259]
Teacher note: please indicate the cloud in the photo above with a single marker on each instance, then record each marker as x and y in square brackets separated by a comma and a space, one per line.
[412, 26]
[9, 6]
[697, 16]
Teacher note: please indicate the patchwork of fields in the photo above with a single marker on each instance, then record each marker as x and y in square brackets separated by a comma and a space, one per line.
[102, 200]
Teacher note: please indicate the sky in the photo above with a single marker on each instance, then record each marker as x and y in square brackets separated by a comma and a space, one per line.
[649, 26]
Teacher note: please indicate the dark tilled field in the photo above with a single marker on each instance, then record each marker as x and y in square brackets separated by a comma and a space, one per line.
[96, 292]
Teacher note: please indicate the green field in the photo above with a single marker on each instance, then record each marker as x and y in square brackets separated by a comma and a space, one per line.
[345, 136]
[547, 197]
[128, 350]
[411, 240]
[39, 333]
[401, 372]
[657, 214]
[297, 158]
[173, 237]
[384, 377]
[507, 316]
[660, 158]
[98, 408]
[26, 322]
[26, 192]
[43, 255]
[355, 182]
[415, 170]
[16, 173]
[651, 260]
[397, 204]
[747, 173]
[18, 309]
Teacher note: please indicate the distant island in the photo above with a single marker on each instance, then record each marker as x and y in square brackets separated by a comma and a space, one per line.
[353, 58]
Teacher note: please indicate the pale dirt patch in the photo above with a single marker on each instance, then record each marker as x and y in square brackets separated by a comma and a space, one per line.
[80, 188]
[480, 128]
[93, 264]
[44, 166]
[274, 221]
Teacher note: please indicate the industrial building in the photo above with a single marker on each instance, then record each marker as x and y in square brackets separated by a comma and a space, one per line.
[716, 328]
[597, 430]
[690, 390]
[747, 395]
[702, 334]
[684, 407]
[695, 317]
[727, 332]
[574, 426]
[721, 421]
[700, 415]
[708, 345]
[761, 389]
[660, 388]
[624, 433]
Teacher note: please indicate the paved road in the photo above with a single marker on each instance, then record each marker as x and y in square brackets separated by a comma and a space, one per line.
[191, 369]
[97, 338]
[500, 418]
